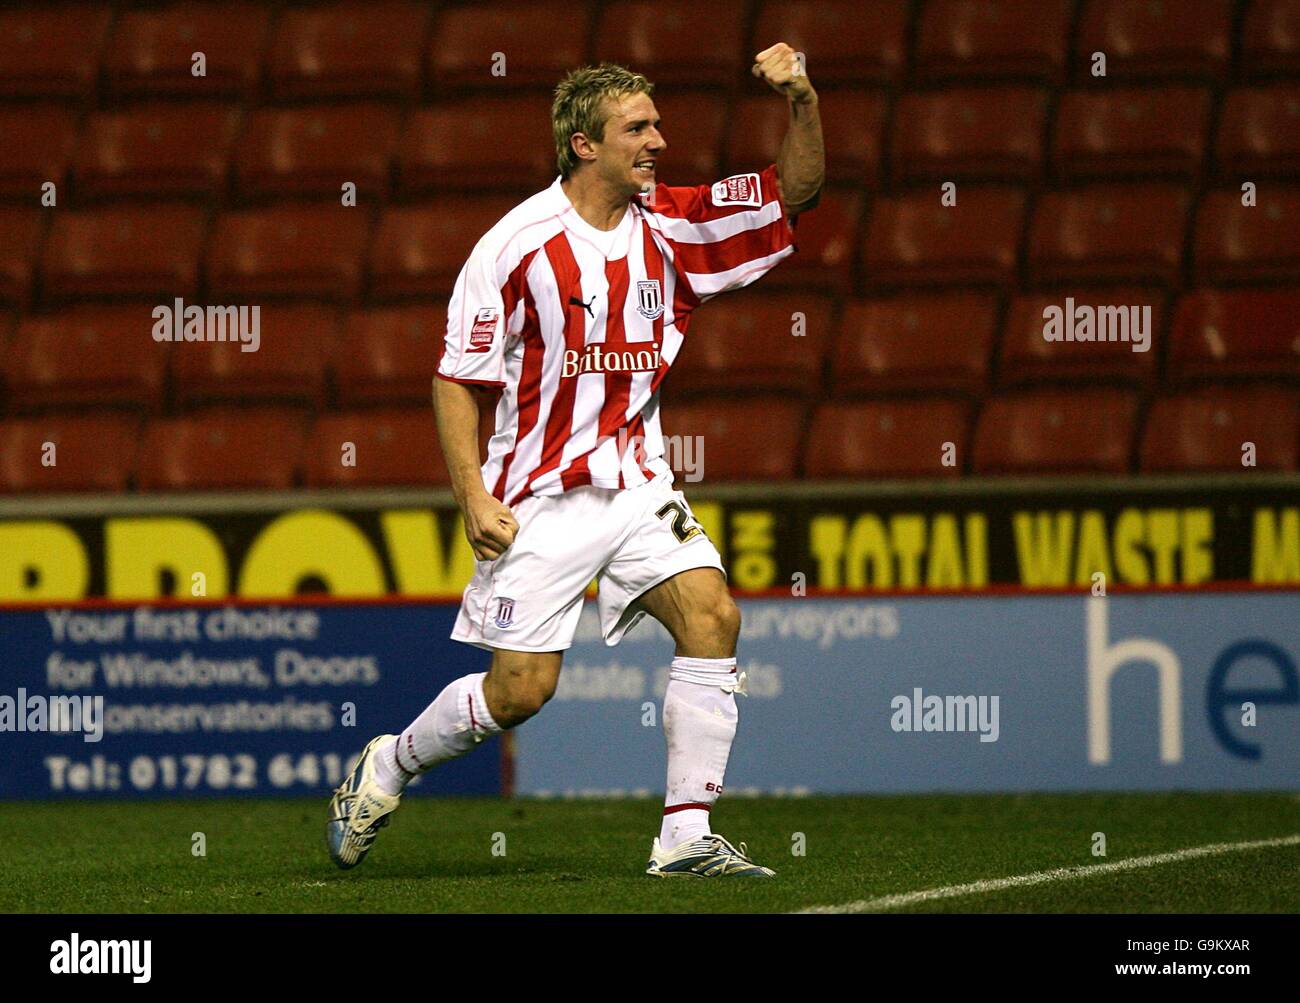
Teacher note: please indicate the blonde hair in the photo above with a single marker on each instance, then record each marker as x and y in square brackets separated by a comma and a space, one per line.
[579, 106]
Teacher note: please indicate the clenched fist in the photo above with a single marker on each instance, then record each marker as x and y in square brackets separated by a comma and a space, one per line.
[783, 68]
[490, 526]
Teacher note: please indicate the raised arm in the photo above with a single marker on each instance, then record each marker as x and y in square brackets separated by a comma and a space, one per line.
[801, 165]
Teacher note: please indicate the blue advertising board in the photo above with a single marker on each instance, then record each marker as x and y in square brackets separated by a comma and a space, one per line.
[1138, 691]
[243, 700]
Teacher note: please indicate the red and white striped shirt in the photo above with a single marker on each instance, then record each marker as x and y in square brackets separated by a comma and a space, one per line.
[579, 326]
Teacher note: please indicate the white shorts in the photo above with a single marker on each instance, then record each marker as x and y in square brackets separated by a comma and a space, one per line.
[530, 598]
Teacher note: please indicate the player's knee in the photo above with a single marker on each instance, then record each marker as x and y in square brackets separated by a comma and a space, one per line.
[524, 694]
[717, 623]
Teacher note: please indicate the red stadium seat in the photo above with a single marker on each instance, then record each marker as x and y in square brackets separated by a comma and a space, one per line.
[913, 239]
[288, 365]
[288, 250]
[1240, 244]
[1116, 132]
[1190, 38]
[50, 50]
[1109, 233]
[1270, 37]
[844, 41]
[467, 38]
[735, 440]
[313, 150]
[348, 50]
[389, 355]
[89, 355]
[152, 50]
[39, 140]
[675, 41]
[123, 251]
[990, 132]
[1056, 432]
[223, 448]
[916, 343]
[1207, 429]
[419, 250]
[893, 438]
[993, 38]
[92, 452]
[20, 237]
[458, 144]
[825, 239]
[159, 149]
[1027, 356]
[746, 342]
[1221, 333]
[692, 125]
[852, 124]
[394, 447]
[1259, 132]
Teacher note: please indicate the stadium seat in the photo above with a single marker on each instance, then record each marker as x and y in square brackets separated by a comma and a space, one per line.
[1109, 233]
[913, 239]
[52, 50]
[756, 439]
[916, 342]
[222, 448]
[852, 124]
[288, 250]
[1206, 430]
[1158, 130]
[389, 354]
[157, 149]
[1056, 432]
[891, 438]
[92, 452]
[295, 342]
[1219, 333]
[989, 132]
[152, 50]
[394, 447]
[20, 237]
[1190, 38]
[466, 39]
[313, 150]
[100, 355]
[420, 249]
[1270, 38]
[348, 50]
[1028, 357]
[38, 146]
[746, 342]
[825, 239]
[148, 250]
[458, 145]
[1259, 132]
[846, 42]
[1024, 39]
[692, 124]
[1240, 244]
[675, 42]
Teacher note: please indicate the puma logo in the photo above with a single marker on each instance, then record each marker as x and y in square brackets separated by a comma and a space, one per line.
[575, 301]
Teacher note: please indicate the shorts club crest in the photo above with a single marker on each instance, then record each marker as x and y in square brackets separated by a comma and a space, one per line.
[505, 612]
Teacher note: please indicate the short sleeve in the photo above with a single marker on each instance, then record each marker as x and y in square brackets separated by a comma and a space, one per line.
[476, 325]
[727, 234]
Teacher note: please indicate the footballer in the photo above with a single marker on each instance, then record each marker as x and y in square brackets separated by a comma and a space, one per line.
[573, 307]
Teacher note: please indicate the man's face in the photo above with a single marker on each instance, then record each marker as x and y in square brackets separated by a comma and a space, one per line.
[626, 157]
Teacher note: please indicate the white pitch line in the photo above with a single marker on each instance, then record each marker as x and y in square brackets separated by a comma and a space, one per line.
[887, 902]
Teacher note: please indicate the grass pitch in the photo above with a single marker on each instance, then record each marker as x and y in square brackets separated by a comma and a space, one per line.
[589, 856]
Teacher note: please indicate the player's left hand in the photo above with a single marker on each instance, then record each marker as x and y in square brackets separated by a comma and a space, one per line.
[784, 69]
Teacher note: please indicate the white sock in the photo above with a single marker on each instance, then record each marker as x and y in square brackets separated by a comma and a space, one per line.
[456, 721]
[699, 724]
